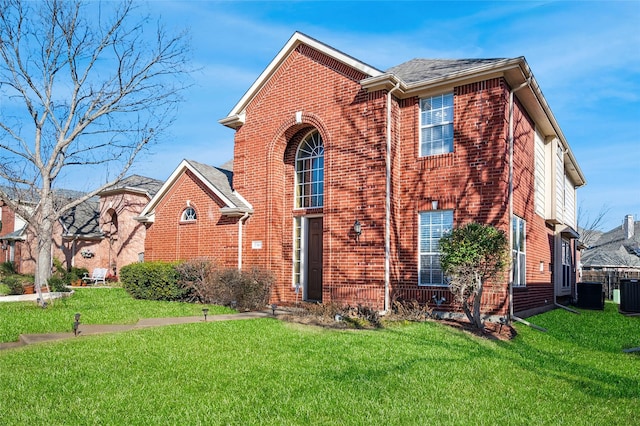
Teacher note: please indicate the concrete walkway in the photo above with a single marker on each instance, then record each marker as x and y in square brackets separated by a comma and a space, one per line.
[88, 329]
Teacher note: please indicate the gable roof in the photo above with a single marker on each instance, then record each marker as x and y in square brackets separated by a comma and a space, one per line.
[419, 76]
[83, 220]
[236, 118]
[217, 179]
[614, 249]
[137, 184]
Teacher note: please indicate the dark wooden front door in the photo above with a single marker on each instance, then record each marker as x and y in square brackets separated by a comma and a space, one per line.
[314, 259]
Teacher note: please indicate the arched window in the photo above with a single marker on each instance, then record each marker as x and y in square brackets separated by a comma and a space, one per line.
[310, 172]
[188, 214]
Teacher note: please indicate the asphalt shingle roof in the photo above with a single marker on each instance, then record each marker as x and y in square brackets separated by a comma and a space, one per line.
[614, 249]
[138, 183]
[417, 70]
[220, 178]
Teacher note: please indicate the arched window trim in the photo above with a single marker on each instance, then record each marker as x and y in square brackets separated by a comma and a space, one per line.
[309, 176]
[189, 214]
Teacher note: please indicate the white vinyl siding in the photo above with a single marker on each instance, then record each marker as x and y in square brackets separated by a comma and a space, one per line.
[559, 181]
[569, 203]
[540, 184]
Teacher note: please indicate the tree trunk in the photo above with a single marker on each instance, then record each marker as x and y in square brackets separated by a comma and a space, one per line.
[44, 237]
[477, 319]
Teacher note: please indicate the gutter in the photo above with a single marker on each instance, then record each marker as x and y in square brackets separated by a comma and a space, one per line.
[240, 228]
[387, 206]
[510, 195]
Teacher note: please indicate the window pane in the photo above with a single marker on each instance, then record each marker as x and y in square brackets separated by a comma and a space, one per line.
[310, 172]
[433, 225]
[436, 125]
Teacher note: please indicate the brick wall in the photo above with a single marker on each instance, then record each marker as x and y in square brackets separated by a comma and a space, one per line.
[211, 235]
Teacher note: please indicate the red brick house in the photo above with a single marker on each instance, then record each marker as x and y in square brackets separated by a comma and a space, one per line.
[349, 175]
[99, 233]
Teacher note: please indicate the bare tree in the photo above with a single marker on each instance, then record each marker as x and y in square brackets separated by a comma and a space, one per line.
[83, 86]
[588, 227]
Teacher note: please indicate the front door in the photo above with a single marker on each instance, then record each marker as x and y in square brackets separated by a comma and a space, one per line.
[314, 259]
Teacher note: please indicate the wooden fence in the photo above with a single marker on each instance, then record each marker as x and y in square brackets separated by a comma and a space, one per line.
[609, 279]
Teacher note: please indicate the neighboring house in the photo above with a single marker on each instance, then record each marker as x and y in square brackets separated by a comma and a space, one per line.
[617, 250]
[99, 233]
[349, 176]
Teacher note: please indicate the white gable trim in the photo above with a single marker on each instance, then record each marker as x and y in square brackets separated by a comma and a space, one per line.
[236, 116]
[182, 167]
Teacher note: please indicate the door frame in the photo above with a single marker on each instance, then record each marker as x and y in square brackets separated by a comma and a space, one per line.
[304, 254]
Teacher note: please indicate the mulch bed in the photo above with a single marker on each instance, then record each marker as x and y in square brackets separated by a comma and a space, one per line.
[491, 331]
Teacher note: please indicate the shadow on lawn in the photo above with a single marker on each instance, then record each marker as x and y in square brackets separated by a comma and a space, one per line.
[588, 370]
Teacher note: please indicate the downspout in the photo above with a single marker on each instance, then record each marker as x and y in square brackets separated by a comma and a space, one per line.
[240, 227]
[387, 206]
[510, 219]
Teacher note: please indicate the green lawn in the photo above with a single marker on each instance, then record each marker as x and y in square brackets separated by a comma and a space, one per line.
[269, 372]
[95, 305]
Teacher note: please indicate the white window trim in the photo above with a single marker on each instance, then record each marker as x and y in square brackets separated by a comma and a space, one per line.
[442, 124]
[298, 197]
[186, 218]
[516, 253]
[430, 253]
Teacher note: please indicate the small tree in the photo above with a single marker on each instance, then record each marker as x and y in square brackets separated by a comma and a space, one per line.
[470, 256]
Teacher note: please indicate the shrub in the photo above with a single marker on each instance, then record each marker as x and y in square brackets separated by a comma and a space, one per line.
[57, 284]
[75, 274]
[205, 283]
[153, 281]
[411, 310]
[14, 284]
[200, 278]
[7, 268]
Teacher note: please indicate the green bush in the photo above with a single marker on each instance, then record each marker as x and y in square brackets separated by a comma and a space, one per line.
[57, 284]
[14, 284]
[152, 281]
[7, 268]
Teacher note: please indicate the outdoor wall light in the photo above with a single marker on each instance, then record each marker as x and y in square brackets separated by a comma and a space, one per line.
[357, 229]
[205, 311]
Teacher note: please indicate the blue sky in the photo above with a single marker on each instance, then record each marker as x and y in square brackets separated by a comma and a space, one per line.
[585, 56]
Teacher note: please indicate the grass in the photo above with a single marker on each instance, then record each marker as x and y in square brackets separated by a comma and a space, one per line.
[269, 372]
[96, 306]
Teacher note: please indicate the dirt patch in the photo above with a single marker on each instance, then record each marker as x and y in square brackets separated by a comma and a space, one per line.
[491, 331]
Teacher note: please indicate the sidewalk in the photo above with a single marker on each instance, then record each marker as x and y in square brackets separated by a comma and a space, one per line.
[88, 329]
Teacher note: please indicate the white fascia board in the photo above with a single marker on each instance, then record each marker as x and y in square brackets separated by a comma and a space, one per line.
[151, 205]
[244, 200]
[184, 164]
[298, 38]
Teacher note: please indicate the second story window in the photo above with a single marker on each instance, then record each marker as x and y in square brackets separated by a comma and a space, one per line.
[310, 172]
[436, 125]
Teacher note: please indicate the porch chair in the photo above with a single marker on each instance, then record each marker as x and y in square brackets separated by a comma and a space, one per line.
[98, 275]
